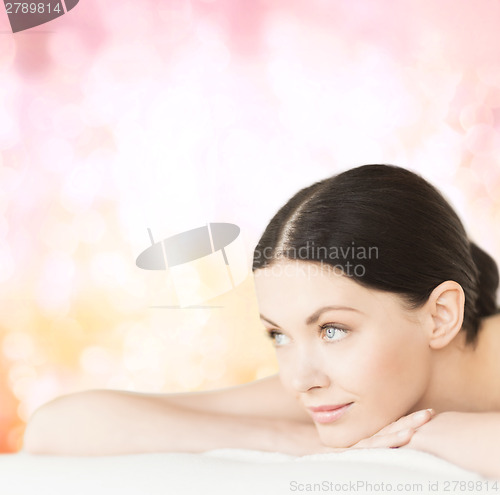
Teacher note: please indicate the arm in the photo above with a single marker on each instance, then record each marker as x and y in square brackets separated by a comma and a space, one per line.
[111, 422]
[263, 398]
[469, 440]
[259, 416]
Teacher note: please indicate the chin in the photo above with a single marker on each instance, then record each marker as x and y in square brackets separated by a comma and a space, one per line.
[338, 439]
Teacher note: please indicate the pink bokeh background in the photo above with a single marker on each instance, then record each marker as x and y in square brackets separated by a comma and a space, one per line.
[122, 116]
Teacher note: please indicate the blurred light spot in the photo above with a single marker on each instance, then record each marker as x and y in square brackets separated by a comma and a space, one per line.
[186, 334]
[189, 377]
[175, 11]
[489, 74]
[55, 154]
[79, 189]
[213, 57]
[149, 379]
[265, 371]
[469, 183]
[110, 269]
[212, 345]
[207, 31]
[23, 410]
[40, 113]
[4, 228]
[437, 157]
[15, 436]
[39, 357]
[55, 284]
[11, 180]
[212, 369]
[23, 386]
[482, 139]
[89, 226]
[7, 263]
[67, 48]
[486, 168]
[9, 132]
[68, 327]
[100, 161]
[120, 381]
[35, 187]
[132, 60]
[223, 109]
[47, 387]
[7, 51]
[475, 114]
[59, 236]
[492, 100]
[17, 346]
[141, 350]
[20, 370]
[131, 21]
[98, 108]
[97, 361]
[67, 121]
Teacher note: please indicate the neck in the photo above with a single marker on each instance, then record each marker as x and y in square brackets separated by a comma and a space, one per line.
[461, 376]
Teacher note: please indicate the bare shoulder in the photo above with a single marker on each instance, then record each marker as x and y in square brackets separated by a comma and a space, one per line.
[265, 398]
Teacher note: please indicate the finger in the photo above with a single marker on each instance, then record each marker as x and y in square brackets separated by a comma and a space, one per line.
[390, 440]
[413, 420]
[398, 433]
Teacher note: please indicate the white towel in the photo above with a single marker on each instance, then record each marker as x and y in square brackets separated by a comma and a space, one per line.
[237, 472]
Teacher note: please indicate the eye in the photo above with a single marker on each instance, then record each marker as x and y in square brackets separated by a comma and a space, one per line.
[276, 337]
[333, 332]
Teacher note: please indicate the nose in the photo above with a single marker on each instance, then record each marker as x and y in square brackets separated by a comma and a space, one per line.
[308, 372]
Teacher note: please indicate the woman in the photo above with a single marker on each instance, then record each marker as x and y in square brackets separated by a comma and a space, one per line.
[386, 328]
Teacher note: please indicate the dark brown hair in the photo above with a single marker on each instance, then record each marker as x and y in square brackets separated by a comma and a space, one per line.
[418, 239]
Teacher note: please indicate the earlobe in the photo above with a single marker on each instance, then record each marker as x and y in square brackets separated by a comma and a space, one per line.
[446, 306]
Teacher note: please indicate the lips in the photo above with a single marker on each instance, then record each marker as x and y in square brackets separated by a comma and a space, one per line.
[329, 413]
[327, 408]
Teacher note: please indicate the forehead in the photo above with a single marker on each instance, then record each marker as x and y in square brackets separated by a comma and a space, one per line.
[300, 285]
[304, 277]
[290, 271]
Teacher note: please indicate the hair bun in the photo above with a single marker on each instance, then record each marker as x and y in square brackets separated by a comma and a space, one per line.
[488, 280]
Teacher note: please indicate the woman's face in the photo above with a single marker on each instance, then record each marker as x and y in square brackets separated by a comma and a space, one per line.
[373, 355]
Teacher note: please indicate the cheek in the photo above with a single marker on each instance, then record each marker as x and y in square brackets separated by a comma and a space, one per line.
[396, 370]
[286, 365]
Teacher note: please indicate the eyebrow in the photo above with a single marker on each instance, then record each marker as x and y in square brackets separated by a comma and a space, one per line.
[314, 317]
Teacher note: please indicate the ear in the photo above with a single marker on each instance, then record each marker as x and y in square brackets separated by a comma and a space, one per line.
[446, 309]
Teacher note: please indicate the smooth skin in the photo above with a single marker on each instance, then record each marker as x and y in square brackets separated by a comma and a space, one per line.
[259, 415]
[392, 363]
[338, 342]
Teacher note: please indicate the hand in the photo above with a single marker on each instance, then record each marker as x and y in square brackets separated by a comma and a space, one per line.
[455, 428]
[470, 440]
[303, 439]
[397, 434]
